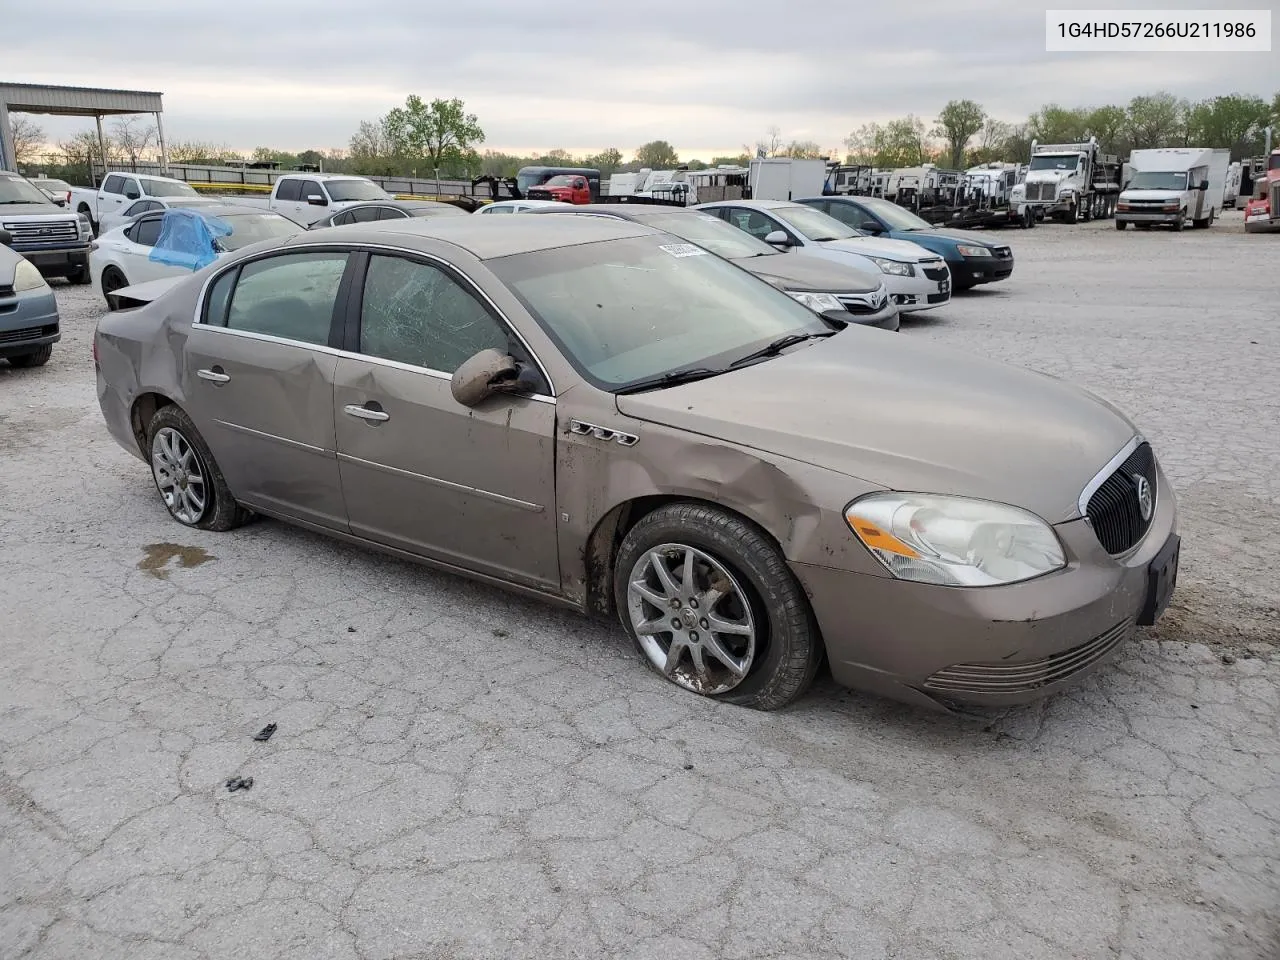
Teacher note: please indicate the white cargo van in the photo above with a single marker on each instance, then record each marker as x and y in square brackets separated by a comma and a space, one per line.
[1172, 186]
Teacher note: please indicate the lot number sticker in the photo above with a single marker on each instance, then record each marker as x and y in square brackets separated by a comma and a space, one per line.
[683, 249]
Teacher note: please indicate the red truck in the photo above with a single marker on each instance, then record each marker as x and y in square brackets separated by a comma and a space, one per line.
[1262, 213]
[565, 187]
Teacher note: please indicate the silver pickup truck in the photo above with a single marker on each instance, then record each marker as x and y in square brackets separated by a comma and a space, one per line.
[55, 240]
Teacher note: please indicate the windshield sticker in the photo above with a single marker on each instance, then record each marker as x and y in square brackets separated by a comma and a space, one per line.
[682, 249]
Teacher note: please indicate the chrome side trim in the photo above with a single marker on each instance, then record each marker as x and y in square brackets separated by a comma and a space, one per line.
[449, 484]
[296, 444]
[1101, 476]
[350, 246]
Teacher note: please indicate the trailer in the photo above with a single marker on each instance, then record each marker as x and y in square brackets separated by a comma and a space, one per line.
[1071, 181]
[786, 178]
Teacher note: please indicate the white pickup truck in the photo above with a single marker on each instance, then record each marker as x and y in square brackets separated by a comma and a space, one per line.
[306, 197]
[119, 190]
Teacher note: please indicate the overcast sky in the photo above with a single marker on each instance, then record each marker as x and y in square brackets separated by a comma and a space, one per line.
[707, 75]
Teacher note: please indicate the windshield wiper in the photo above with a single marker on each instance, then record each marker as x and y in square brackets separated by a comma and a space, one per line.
[773, 349]
[670, 379]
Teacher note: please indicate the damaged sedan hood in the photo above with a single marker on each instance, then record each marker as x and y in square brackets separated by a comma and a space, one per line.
[906, 415]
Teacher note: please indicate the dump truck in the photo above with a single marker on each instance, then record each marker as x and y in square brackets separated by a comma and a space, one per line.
[1071, 181]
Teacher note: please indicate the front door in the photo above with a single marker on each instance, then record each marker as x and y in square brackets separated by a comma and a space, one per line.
[473, 487]
[259, 383]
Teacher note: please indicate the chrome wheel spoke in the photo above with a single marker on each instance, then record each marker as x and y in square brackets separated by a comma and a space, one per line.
[721, 625]
[650, 627]
[699, 663]
[649, 594]
[687, 586]
[717, 649]
[669, 585]
[674, 654]
[179, 475]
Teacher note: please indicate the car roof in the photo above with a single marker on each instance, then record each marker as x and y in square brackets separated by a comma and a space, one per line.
[398, 204]
[220, 210]
[321, 176]
[754, 204]
[635, 212]
[486, 238]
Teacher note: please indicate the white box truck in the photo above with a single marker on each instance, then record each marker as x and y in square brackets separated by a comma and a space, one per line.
[1173, 186]
[786, 178]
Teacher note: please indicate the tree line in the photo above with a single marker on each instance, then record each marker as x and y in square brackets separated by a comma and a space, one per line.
[440, 138]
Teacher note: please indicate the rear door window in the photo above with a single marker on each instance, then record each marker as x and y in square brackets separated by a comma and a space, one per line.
[391, 213]
[364, 214]
[145, 232]
[290, 296]
[289, 189]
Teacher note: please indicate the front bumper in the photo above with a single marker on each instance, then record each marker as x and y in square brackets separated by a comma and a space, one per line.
[28, 321]
[886, 318]
[1148, 216]
[972, 271]
[912, 294]
[57, 261]
[934, 646]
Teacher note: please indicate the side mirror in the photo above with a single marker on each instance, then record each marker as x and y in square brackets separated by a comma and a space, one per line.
[1204, 184]
[131, 194]
[316, 200]
[870, 227]
[6, 238]
[489, 372]
[778, 238]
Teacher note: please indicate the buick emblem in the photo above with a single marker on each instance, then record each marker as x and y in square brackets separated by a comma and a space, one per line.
[1146, 503]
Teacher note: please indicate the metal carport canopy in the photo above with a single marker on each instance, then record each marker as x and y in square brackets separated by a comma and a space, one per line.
[72, 102]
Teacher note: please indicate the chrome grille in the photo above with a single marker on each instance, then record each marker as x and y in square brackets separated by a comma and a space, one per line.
[1114, 509]
[56, 231]
[1002, 253]
[870, 303]
[1041, 191]
[1016, 678]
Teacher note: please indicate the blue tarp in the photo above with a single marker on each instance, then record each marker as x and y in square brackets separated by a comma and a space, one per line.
[187, 239]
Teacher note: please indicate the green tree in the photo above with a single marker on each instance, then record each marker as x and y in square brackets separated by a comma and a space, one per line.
[1108, 125]
[1056, 124]
[993, 139]
[200, 151]
[956, 125]
[863, 143]
[440, 133]
[657, 155]
[606, 161]
[1229, 122]
[741, 160]
[1156, 120]
[903, 143]
[802, 149]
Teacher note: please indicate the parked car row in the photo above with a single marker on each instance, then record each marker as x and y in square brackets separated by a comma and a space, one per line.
[655, 415]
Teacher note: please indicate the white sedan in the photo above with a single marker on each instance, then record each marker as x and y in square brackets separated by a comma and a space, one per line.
[118, 218]
[519, 206]
[916, 278]
[178, 241]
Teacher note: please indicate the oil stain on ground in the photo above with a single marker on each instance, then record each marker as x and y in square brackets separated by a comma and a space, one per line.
[159, 555]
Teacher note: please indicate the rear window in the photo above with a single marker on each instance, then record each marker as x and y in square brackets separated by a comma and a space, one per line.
[342, 191]
[163, 188]
[251, 227]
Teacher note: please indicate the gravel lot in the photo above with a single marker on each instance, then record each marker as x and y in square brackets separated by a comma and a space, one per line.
[460, 773]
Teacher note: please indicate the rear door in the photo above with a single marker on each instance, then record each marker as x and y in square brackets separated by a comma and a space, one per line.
[473, 487]
[134, 254]
[258, 379]
[287, 199]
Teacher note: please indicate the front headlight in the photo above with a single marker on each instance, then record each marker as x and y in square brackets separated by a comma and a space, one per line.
[86, 228]
[27, 277]
[954, 541]
[893, 267]
[818, 302]
[966, 251]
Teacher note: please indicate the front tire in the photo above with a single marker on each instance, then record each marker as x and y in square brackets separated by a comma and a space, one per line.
[36, 358]
[713, 607]
[1120, 224]
[186, 475]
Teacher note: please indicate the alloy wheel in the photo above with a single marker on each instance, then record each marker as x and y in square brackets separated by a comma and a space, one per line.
[692, 618]
[180, 476]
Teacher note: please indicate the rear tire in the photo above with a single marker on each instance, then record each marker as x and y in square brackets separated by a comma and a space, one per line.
[112, 280]
[36, 358]
[739, 580]
[187, 477]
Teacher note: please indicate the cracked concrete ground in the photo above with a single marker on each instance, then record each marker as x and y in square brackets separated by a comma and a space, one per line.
[461, 773]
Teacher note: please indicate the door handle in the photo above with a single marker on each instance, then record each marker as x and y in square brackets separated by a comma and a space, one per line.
[213, 376]
[366, 413]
